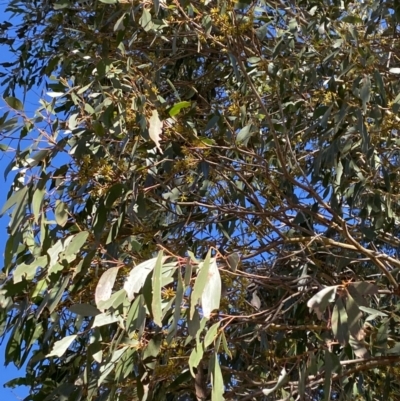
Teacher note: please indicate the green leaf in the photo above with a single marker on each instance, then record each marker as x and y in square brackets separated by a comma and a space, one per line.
[137, 277]
[244, 135]
[211, 334]
[217, 389]
[114, 302]
[211, 296]
[354, 315]
[114, 193]
[343, 325]
[60, 4]
[61, 213]
[37, 200]
[225, 345]
[321, 299]
[104, 319]
[119, 25]
[29, 271]
[17, 198]
[107, 369]
[195, 357]
[156, 281]
[155, 129]
[57, 292]
[200, 283]
[177, 308]
[136, 315]
[328, 376]
[84, 310]
[145, 20]
[365, 92]
[14, 103]
[177, 107]
[281, 380]
[105, 285]
[60, 347]
[233, 261]
[76, 243]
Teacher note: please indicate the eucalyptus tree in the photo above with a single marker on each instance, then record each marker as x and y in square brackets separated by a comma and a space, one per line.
[205, 205]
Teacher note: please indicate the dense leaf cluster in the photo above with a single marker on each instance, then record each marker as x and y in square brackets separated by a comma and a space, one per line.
[206, 203]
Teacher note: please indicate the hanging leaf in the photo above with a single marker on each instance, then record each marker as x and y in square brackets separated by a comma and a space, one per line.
[211, 296]
[211, 334]
[37, 203]
[200, 283]
[155, 129]
[321, 299]
[61, 213]
[156, 301]
[244, 135]
[217, 390]
[281, 380]
[195, 357]
[16, 198]
[105, 285]
[76, 243]
[138, 275]
[233, 261]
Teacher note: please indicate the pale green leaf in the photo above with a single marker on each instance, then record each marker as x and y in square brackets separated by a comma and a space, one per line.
[37, 200]
[104, 319]
[60, 347]
[137, 277]
[211, 296]
[244, 135]
[281, 380]
[321, 299]
[195, 357]
[61, 213]
[16, 198]
[200, 283]
[76, 244]
[156, 284]
[211, 334]
[105, 285]
[217, 391]
[155, 129]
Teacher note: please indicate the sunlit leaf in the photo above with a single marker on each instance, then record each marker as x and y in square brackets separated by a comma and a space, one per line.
[211, 296]
[200, 283]
[61, 346]
[138, 275]
[156, 302]
[282, 378]
[61, 213]
[155, 129]
[105, 285]
[176, 108]
[321, 299]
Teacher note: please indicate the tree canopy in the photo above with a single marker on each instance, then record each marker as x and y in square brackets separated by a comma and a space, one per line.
[205, 205]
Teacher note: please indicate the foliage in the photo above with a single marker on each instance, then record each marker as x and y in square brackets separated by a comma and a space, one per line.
[206, 203]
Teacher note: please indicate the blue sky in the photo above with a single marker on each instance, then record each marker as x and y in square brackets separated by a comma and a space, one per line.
[31, 103]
